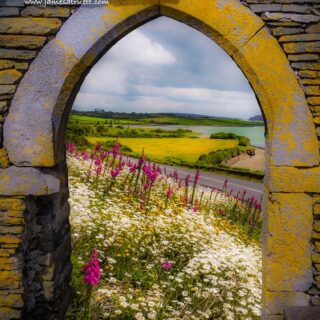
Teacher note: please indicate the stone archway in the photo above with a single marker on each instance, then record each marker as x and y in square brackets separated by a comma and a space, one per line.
[35, 127]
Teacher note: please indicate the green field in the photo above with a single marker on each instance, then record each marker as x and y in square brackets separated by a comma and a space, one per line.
[186, 149]
[82, 119]
[198, 122]
[127, 119]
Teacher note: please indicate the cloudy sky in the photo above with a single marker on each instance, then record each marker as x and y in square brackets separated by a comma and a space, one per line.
[166, 66]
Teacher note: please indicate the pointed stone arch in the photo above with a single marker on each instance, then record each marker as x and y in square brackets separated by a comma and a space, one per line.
[35, 127]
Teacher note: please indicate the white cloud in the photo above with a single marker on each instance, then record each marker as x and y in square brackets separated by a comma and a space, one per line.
[138, 48]
[179, 71]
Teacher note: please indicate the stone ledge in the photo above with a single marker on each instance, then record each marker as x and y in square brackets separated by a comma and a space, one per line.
[27, 181]
[302, 313]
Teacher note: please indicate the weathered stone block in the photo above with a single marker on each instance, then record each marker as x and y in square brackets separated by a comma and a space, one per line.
[5, 96]
[34, 26]
[9, 313]
[48, 273]
[14, 205]
[311, 81]
[316, 209]
[300, 37]
[302, 313]
[17, 54]
[309, 74]
[6, 220]
[10, 279]
[317, 246]
[315, 257]
[11, 229]
[21, 65]
[9, 12]
[278, 16]
[37, 11]
[306, 65]
[11, 300]
[7, 89]
[301, 47]
[3, 108]
[295, 8]
[45, 260]
[280, 31]
[313, 91]
[48, 289]
[14, 213]
[302, 57]
[10, 239]
[6, 252]
[314, 100]
[18, 41]
[6, 64]
[9, 76]
[288, 222]
[315, 28]
[315, 235]
[4, 161]
[275, 302]
[8, 260]
[315, 300]
[34, 182]
[284, 179]
[316, 226]
[258, 8]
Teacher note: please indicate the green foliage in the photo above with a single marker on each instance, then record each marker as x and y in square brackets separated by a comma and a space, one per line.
[215, 158]
[108, 145]
[79, 140]
[243, 141]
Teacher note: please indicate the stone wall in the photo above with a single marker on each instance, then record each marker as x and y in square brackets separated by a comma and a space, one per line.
[34, 242]
[296, 25]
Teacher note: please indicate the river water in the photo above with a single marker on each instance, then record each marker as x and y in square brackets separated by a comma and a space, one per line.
[255, 134]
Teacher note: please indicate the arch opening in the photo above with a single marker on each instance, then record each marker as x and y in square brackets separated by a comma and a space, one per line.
[38, 142]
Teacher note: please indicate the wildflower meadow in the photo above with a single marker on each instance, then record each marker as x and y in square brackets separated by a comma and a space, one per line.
[150, 245]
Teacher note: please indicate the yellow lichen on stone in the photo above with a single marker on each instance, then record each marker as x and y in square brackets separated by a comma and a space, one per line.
[288, 179]
[281, 114]
[288, 222]
[16, 205]
[4, 161]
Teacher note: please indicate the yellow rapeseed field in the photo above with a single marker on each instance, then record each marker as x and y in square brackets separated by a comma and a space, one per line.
[186, 149]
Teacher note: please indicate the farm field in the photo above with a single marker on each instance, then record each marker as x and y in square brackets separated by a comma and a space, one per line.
[186, 149]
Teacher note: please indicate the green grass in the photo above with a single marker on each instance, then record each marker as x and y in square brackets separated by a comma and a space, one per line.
[158, 119]
[93, 120]
[187, 150]
[199, 122]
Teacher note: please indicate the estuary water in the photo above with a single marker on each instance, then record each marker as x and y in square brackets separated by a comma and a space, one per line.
[255, 134]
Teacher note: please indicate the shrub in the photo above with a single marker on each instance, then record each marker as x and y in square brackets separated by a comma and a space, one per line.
[242, 140]
[217, 157]
[108, 145]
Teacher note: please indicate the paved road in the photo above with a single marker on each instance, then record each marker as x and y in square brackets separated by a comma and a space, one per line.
[210, 179]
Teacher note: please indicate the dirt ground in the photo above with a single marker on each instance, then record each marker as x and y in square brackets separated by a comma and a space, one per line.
[256, 162]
